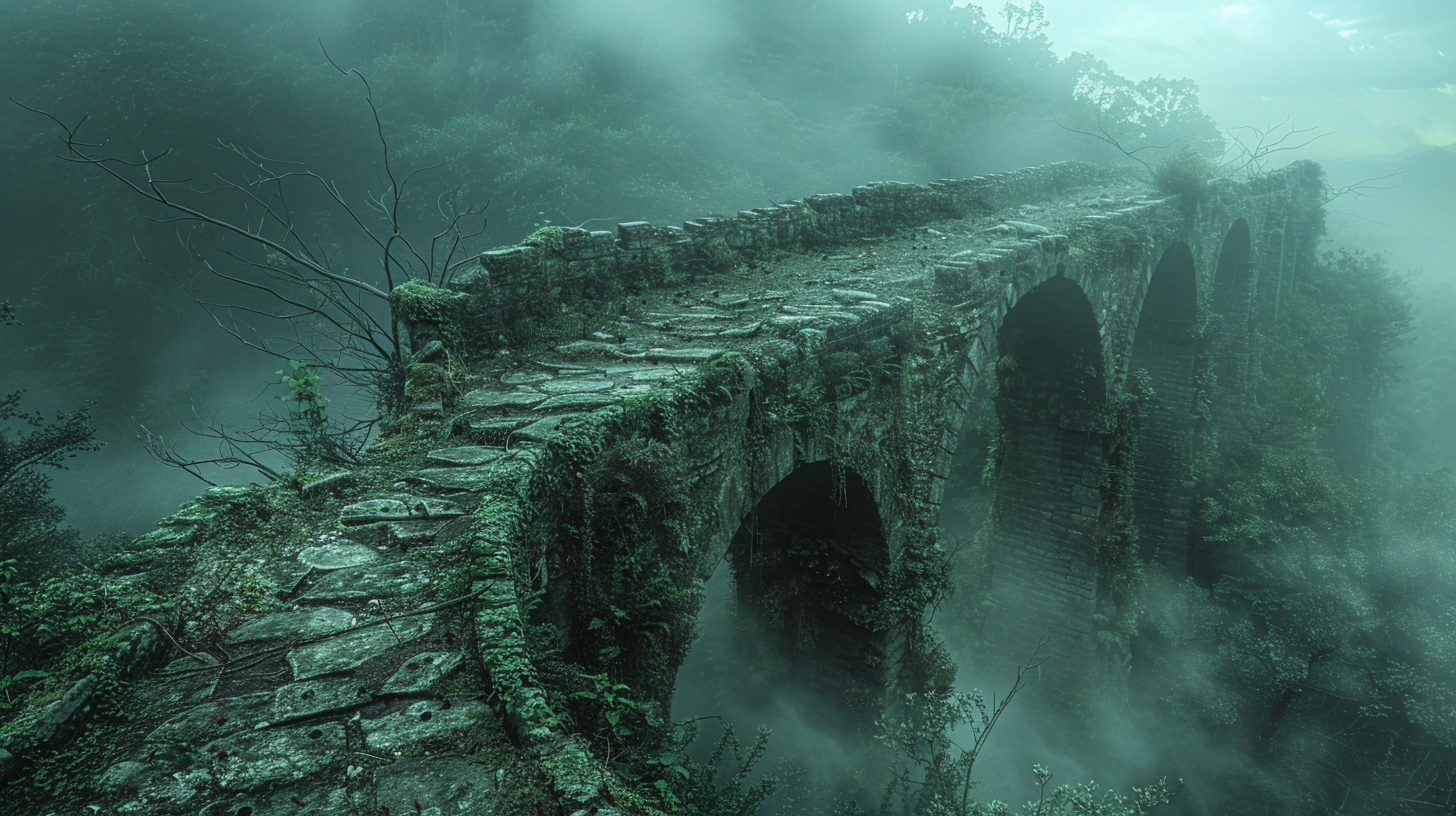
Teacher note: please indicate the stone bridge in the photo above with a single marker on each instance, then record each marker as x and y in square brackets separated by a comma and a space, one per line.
[600, 420]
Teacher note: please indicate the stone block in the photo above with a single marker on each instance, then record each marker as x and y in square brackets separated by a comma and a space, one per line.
[512, 266]
[354, 649]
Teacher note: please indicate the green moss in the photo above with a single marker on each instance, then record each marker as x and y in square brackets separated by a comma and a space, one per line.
[419, 300]
[1185, 174]
[717, 256]
[428, 382]
[429, 311]
[549, 238]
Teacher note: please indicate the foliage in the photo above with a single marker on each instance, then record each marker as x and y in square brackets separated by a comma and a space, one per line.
[624, 721]
[1419, 399]
[1083, 799]
[700, 789]
[315, 436]
[1185, 174]
[1305, 645]
[29, 518]
[940, 735]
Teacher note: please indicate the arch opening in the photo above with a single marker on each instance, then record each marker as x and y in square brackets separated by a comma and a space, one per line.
[1165, 352]
[1051, 389]
[806, 567]
[1233, 283]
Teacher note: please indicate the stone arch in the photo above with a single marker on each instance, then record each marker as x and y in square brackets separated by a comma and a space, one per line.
[1165, 349]
[807, 565]
[1233, 291]
[1051, 388]
[808, 562]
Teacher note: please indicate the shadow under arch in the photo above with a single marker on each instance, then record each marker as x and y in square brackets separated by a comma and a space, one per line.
[806, 567]
[1165, 349]
[1233, 293]
[1051, 389]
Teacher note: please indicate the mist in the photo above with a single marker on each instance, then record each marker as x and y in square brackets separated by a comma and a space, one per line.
[1303, 663]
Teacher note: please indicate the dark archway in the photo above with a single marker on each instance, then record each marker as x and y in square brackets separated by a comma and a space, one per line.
[1233, 291]
[807, 567]
[1165, 350]
[1051, 389]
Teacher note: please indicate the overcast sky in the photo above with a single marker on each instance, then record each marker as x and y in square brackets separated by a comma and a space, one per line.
[1380, 73]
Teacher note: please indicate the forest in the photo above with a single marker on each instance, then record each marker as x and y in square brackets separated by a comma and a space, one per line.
[1304, 664]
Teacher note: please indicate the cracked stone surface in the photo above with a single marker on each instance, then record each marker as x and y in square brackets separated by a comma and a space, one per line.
[337, 556]
[354, 649]
[316, 798]
[398, 509]
[422, 672]
[183, 735]
[292, 625]
[473, 479]
[576, 385]
[578, 402]
[446, 785]
[781, 312]
[313, 697]
[379, 580]
[271, 756]
[410, 730]
[470, 456]
[543, 429]
[129, 777]
[489, 399]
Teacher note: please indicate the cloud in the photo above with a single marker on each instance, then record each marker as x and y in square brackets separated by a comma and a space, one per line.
[1282, 44]
[1331, 62]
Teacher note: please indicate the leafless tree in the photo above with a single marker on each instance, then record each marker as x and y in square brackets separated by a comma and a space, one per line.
[1251, 149]
[268, 280]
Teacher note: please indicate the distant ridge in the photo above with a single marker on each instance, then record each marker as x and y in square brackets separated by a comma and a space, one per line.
[1408, 153]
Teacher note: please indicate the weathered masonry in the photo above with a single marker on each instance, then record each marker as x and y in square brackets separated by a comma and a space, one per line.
[601, 419]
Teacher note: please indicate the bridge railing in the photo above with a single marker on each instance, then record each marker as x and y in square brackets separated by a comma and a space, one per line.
[556, 267]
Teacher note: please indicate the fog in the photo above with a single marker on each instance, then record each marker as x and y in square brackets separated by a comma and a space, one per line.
[576, 113]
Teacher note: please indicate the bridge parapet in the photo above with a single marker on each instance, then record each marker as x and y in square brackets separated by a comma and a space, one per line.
[556, 267]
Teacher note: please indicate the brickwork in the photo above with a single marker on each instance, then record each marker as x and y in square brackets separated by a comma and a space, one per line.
[1165, 347]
